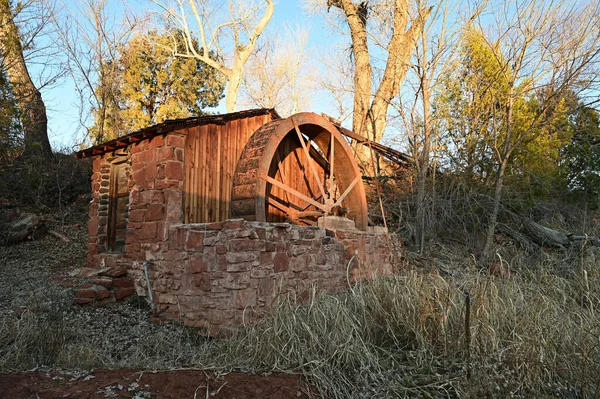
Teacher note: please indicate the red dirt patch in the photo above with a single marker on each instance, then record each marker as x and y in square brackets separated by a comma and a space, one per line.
[151, 384]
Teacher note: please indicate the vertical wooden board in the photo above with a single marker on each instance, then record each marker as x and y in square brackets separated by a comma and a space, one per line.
[209, 173]
[187, 169]
[189, 165]
[229, 167]
[194, 175]
[197, 182]
[203, 135]
[219, 171]
[212, 166]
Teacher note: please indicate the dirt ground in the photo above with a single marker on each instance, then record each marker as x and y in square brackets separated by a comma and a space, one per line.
[150, 384]
[34, 281]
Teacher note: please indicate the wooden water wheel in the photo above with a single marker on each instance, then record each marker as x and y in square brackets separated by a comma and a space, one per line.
[298, 169]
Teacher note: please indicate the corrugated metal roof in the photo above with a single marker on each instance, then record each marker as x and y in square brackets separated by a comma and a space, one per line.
[168, 126]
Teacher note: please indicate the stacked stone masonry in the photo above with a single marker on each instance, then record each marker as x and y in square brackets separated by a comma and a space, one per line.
[221, 275]
[218, 276]
[103, 285]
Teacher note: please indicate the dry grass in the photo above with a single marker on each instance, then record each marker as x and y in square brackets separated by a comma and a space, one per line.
[535, 334]
[405, 337]
[402, 336]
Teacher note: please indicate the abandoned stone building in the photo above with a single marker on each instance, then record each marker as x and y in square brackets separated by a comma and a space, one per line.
[215, 217]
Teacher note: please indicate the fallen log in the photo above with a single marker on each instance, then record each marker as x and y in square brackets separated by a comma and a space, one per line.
[533, 236]
[545, 236]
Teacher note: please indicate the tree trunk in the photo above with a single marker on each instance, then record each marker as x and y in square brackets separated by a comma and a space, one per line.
[29, 99]
[423, 163]
[486, 252]
[369, 117]
[233, 86]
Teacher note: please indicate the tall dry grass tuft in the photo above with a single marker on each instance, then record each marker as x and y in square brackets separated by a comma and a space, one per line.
[404, 336]
[28, 341]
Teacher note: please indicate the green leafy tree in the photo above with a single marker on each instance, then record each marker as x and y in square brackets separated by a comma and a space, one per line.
[536, 166]
[466, 102]
[150, 85]
[582, 155]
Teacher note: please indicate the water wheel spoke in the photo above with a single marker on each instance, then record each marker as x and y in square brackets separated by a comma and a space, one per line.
[305, 177]
[308, 157]
[317, 198]
[347, 191]
[293, 192]
[319, 159]
[291, 213]
[282, 174]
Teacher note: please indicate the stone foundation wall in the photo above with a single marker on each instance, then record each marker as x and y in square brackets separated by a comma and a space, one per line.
[221, 275]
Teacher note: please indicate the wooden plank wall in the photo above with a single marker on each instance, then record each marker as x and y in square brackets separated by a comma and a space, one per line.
[211, 155]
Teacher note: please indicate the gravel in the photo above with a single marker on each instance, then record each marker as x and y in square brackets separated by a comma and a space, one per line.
[41, 327]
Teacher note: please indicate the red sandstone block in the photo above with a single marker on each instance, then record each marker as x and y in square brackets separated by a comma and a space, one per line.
[340, 234]
[214, 226]
[179, 154]
[83, 301]
[103, 294]
[270, 247]
[148, 231]
[233, 224]
[221, 263]
[165, 154]
[122, 282]
[174, 170]
[85, 293]
[266, 258]
[220, 249]
[93, 225]
[139, 147]
[139, 177]
[163, 184]
[194, 241]
[197, 266]
[96, 164]
[154, 212]
[246, 298]
[175, 141]
[160, 172]
[261, 233]
[136, 216]
[202, 281]
[156, 141]
[281, 262]
[151, 171]
[104, 282]
[123, 293]
[242, 245]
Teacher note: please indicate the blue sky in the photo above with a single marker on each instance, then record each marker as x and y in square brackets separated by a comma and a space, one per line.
[61, 99]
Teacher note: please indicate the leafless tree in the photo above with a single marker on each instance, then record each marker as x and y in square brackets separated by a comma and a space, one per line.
[394, 28]
[438, 39]
[226, 38]
[92, 33]
[543, 47]
[279, 74]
